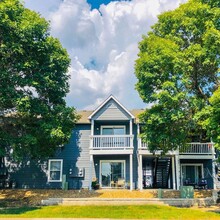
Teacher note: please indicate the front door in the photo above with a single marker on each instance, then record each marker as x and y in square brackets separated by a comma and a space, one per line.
[111, 172]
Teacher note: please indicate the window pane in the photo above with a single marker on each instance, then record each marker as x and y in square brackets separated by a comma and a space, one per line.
[112, 173]
[106, 173]
[107, 131]
[119, 131]
[55, 165]
[55, 175]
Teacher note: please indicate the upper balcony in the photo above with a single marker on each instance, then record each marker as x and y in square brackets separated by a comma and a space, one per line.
[194, 148]
[111, 144]
[198, 148]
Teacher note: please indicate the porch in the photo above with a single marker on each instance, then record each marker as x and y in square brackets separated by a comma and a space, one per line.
[197, 148]
[113, 169]
[170, 172]
[111, 142]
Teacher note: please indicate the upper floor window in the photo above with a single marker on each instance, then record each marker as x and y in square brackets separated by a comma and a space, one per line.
[113, 130]
[55, 170]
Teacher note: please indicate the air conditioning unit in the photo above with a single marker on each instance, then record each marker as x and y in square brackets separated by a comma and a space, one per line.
[81, 172]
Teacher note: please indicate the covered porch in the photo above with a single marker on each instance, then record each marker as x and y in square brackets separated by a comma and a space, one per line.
[113, 171]
[192, 164]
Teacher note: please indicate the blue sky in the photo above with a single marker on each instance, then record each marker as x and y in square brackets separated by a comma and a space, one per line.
[102, 44]
[97, 3]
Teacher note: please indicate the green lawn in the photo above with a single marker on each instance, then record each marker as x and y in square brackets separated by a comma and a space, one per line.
[138, 212]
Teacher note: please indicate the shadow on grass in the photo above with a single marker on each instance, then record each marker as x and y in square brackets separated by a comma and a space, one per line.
[16, 211]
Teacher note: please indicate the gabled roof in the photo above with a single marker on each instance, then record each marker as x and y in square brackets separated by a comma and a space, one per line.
[84, 114]
[111, 97]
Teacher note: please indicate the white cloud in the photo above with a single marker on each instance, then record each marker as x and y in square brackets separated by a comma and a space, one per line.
[103, 46]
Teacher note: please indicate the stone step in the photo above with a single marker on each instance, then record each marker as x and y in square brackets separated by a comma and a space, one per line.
[180, 202]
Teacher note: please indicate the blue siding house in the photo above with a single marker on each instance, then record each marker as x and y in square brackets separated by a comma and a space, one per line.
[106, 147]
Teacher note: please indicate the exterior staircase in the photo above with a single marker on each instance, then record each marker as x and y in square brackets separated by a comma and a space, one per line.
[162, 169]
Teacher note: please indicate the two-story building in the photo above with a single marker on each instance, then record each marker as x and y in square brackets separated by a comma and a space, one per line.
[106, 146]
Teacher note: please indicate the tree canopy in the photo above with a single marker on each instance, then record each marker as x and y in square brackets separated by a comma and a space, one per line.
[178, 73]
[34, 118]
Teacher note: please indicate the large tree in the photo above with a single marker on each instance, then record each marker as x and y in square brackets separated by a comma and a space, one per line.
[34, 118]
[178, 71]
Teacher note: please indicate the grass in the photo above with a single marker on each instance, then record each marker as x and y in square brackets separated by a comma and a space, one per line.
[122, 212]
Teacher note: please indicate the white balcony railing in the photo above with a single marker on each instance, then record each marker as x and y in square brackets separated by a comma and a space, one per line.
[108, 142]
[142, 145]
[191, 148]
[198, 148]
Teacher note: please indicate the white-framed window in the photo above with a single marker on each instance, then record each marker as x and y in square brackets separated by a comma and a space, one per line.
[113, 130]
[55, 170]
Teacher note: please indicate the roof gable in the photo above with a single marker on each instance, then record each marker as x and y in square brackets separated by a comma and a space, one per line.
[111, 109]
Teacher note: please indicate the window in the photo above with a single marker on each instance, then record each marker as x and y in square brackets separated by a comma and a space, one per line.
[113, 130]
[55, 170]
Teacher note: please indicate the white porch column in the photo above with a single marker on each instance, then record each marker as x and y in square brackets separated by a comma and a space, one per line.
[213, 166]
[213, 174]
[131, 171]
[92, 133]
[92, 127]
[177, 172]
[173, 172]
[90, 171]
[130, 126]
[140, 173]
[138, 136]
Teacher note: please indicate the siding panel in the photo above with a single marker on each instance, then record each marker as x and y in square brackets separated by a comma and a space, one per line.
[111, 111]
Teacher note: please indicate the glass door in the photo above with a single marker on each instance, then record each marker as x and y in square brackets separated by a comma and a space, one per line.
[110, 140]
[112, 172]
[191, 173]
[113, 130]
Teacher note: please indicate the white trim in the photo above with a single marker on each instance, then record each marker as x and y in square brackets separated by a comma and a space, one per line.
[109, 98]
[113, 126]
[92, 127]
[198, 156]
[90, 171]
[100, 170]
[173, 173]
[191, 164]
[131, 172]
[124, 151]
[61, 169]
[140, 177]
[177, 163]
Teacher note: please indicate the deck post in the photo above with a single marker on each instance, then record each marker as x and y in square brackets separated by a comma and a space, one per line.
[92, 127]
[130, 125]
[173, 172]
[90, 171]
[131, 172]
[177, 172]
[213, 166]
[140, 174]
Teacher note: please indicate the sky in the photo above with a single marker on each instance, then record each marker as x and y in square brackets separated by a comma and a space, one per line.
[101, 37]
